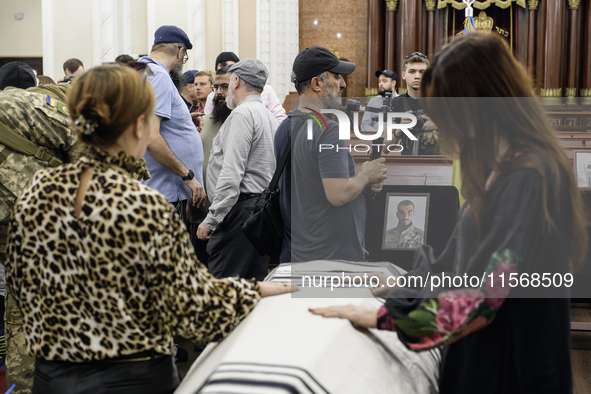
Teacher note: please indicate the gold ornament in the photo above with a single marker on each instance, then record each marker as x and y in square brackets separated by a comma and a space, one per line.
[533, 4]
[574, 4]
[430, 5]
[551, 92]
[483, 23]
[391, 5]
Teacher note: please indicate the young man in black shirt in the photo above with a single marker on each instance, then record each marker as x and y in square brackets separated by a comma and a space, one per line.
[415, 64]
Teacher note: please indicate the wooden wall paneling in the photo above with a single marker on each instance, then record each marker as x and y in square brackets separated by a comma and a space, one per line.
[430, 9]
[554, 53]
[521, 35]
[423, 33]
[586, 63]
[375, 42]
[531, 42]
[574, 52]
[540, 28]
[440, 30]
[421, 42]
[390, 39]
[36, 63]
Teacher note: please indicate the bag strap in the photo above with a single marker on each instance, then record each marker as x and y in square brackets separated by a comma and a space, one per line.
[24, 146]
[286, 154]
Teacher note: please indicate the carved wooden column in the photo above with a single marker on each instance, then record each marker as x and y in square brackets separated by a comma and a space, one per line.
[573, 48]
[430, 6]
[375, 45]
[586, 86]
[390, 59]
[531, 40]
[553, 38]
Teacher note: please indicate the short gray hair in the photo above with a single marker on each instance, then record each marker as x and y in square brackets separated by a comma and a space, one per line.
[248, 87]
[302, 87]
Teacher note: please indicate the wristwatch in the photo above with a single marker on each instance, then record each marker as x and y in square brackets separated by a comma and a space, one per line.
[189, 176]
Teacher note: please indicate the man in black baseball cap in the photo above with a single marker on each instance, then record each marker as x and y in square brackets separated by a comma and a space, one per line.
[269, 97]
[319, 69]
[313, 61]
[226, 59]
[321, 199]
[386, 84]
[18, 75]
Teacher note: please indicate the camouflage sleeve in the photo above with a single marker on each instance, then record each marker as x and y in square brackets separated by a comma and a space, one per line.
[16, 232]
[13, 254]
[193, 302]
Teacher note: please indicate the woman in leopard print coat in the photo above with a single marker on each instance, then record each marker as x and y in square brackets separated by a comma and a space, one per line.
[101, 265]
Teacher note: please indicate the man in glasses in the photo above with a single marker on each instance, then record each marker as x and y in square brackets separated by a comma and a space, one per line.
[175, 155]
[212, 123]
[268, 96]
[414, 67]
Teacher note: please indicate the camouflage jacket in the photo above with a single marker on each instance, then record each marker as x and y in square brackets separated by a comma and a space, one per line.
[41, 119]
[411, 237]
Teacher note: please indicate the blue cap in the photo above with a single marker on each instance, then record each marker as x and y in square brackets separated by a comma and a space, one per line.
[190, 76]
[169, 34]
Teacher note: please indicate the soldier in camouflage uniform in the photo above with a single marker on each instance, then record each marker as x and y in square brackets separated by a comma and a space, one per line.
[405, 235]
[40, 116]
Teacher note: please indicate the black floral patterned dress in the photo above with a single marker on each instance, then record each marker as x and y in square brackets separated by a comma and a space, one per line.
[502, 330]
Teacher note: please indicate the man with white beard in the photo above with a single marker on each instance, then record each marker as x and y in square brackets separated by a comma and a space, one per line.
[241, 165]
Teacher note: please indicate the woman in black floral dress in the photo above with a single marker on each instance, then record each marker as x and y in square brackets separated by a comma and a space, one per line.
[521, 230]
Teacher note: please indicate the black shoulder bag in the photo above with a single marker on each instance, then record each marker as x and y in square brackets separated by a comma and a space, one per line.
[264, 226]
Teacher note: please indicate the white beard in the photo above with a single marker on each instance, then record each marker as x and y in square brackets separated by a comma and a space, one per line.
[230, 99]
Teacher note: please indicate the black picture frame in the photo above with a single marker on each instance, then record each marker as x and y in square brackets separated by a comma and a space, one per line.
[582, 160]
[420, 221]
[442, 215]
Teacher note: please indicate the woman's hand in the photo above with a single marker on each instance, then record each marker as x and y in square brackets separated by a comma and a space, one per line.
[268, 289]
[358, 315]
[384, 285]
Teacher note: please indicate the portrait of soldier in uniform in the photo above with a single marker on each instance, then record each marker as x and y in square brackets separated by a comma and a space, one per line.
[403, 230]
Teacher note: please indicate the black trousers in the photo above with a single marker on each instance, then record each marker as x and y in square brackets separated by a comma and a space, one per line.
[156, 376]
[230, 252]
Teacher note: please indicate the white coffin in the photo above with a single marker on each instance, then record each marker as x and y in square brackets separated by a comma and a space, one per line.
[282, 348]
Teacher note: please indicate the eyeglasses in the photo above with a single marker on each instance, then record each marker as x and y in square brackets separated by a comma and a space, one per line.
[223, 87]
[186, 57]
[419, 54]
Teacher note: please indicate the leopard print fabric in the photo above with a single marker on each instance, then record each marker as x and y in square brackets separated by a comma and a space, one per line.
[121, 278]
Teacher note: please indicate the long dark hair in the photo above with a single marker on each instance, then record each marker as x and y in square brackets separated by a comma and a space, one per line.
[482, 66]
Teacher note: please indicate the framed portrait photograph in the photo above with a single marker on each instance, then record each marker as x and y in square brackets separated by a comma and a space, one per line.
[582, 162]
[406, 216]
